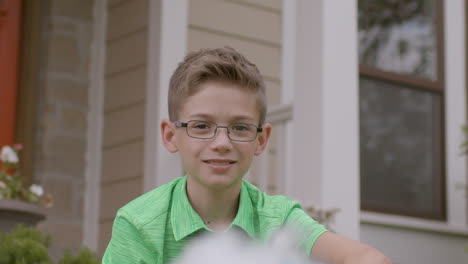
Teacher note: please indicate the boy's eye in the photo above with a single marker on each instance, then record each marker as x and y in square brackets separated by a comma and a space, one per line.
[240, 127]
[201, 126]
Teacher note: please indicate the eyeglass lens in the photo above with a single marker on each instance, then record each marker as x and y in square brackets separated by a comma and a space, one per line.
[237, 131]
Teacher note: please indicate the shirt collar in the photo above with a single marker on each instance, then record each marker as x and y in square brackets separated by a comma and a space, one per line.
[186, 221]
[244, 218]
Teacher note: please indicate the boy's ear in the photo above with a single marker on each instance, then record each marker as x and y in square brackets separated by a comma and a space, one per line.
[263, 138]
[168, 135]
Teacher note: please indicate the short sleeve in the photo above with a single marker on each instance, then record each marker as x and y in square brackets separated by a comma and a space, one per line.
[127, 245]
[308, 228]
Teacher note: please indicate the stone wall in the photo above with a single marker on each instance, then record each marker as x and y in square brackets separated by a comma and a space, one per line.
[62, 118]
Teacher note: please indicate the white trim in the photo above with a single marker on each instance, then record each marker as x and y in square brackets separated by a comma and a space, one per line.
[455, 110]
[288, 64]
[288, 48]
[280, 114]
[413, 223]
[325, 110]
[340, 115]
[95, 127]
[167, 45]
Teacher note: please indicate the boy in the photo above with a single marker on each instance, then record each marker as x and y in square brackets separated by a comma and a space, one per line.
[217, 110]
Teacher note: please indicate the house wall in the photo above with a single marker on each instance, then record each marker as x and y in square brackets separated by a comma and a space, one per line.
[60, 137]
[404, 245]
[124, 110]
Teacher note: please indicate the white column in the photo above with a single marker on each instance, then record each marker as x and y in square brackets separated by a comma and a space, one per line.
[325, 161]
[455, 111]
[167, 39]
[95, 127]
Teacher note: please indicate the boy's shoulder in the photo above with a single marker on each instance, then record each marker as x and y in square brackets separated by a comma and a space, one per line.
[152, 204]
[270, 205]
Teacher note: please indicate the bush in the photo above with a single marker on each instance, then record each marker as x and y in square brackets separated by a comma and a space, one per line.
[27, 245]
[85, 256]
[24, 245]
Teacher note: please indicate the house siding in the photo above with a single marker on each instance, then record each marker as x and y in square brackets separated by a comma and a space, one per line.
[124, 110]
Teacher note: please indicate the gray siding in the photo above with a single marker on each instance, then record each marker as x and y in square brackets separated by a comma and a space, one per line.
[124, 110]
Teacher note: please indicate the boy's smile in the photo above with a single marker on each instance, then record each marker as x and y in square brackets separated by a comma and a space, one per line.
[217, 163]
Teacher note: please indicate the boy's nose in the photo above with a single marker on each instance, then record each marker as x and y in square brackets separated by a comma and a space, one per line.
[221, 141]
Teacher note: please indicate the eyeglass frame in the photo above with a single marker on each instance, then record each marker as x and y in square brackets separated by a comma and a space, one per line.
[185, 124]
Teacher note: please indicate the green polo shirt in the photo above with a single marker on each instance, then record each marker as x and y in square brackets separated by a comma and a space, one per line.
[155, 227]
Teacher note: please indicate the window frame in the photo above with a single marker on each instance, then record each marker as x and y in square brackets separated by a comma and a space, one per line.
[419, 83]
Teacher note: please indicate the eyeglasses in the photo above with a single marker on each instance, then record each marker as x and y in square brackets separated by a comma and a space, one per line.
[206, 130]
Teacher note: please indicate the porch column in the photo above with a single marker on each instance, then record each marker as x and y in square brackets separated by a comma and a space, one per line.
[167, 45]
[324, 79]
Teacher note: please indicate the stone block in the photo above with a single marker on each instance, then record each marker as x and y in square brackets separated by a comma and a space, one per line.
[70, 165]
[64, 54]
[65, 235]
[78, 9]
[49, 117]
[61, 190]
[74, 120]
[67, 91]
[63, 155]
[64, 145]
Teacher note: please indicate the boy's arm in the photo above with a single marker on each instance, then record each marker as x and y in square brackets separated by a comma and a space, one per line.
[127, 245]
[337, 249]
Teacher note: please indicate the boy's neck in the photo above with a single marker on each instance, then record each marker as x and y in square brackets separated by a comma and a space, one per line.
[217, 208]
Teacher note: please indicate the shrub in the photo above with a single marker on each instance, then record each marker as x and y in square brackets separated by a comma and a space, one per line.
[85, 256]
[24, 245]
[27, 245]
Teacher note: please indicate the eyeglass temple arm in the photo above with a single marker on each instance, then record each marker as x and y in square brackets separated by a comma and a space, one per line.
[179, 124]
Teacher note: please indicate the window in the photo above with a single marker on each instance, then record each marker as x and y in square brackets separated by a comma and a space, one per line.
[401, 107]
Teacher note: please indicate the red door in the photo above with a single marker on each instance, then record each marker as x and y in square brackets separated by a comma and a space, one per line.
[9, 46]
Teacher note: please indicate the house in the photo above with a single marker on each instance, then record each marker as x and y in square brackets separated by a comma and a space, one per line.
[367, 103]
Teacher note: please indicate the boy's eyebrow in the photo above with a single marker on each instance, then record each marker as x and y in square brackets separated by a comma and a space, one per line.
[211, 117]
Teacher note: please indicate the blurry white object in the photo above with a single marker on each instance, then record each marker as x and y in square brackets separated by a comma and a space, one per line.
[234, 248]
[36, 189]
[8, 155]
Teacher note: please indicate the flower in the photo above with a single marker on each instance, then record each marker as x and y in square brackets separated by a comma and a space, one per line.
[12, 186]
[8, 155]
[36, 189]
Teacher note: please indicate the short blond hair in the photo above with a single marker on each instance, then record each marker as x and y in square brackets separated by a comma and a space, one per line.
[219, 64]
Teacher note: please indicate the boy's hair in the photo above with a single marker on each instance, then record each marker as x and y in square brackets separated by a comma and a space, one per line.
[220, 64]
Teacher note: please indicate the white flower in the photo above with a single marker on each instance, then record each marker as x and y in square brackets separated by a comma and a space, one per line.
[36, 189]
[2, 185]
[8, 155]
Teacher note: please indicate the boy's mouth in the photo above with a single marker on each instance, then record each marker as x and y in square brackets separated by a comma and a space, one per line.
[219, 162]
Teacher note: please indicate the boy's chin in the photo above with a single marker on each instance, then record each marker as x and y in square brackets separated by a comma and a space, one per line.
[221, 182]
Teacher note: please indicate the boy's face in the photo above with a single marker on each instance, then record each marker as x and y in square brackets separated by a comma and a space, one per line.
[216, 163]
